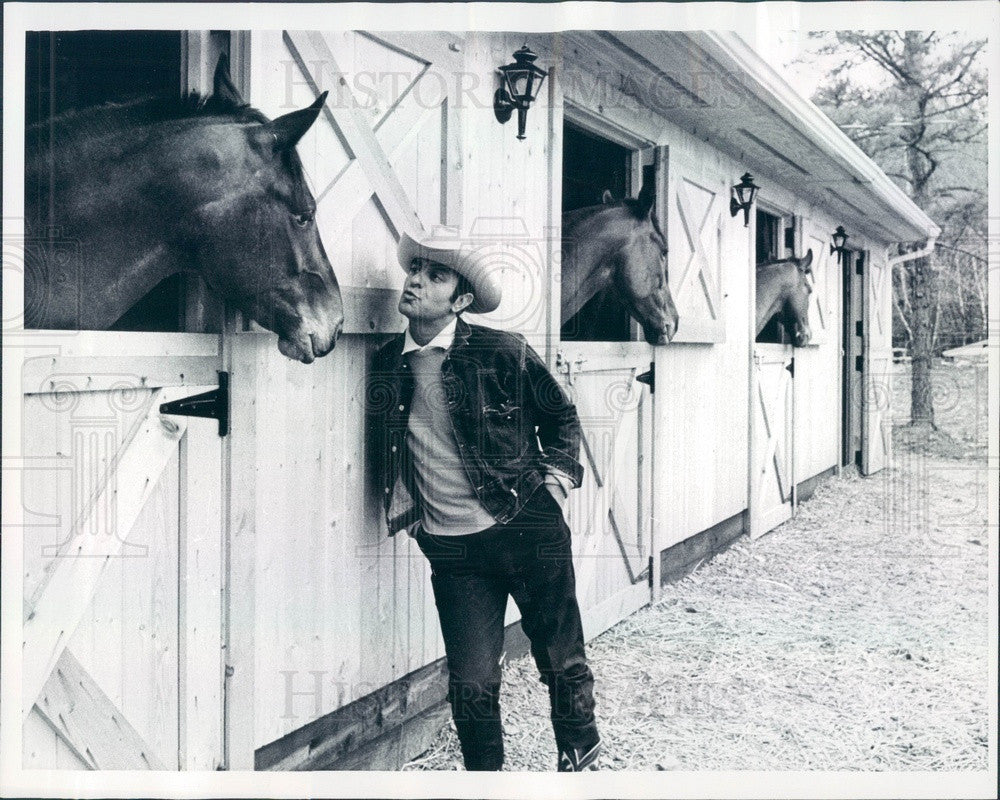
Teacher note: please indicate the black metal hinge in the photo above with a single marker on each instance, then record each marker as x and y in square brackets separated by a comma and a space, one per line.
[791, 367]
[212, 405]
[859, 363]
[648, 377]
[859, 328]
[859, 266]
[650, 570]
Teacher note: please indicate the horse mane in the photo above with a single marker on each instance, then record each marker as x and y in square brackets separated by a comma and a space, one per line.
[573, 218]
[109, 118]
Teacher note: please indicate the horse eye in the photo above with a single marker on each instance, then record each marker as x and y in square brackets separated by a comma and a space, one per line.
[304, 218]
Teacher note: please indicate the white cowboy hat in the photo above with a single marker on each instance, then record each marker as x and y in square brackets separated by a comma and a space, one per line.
[475, 263]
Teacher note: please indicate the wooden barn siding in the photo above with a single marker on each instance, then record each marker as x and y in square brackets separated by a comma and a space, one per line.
[877, 386]
[127, 636]
[43, 748]
[506, 189]
[340, 609]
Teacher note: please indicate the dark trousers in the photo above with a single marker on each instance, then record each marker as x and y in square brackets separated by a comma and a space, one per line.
[530, 559]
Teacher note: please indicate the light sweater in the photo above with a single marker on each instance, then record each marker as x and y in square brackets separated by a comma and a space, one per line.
[448, 501]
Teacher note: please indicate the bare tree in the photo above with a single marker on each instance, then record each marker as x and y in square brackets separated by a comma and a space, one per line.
[924, 122]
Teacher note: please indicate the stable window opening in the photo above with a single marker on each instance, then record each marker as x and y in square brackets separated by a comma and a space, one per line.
[591, 166]
[775, 240]
[75, 70]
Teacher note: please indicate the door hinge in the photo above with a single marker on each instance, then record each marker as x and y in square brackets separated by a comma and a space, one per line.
[859, 363]
[211, 405]
[648, 377]
[859, 265]
[650, 570]
[791, 367]
[857, 458]
[859, 328]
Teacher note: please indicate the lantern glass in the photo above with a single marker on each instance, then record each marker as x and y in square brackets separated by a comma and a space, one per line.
[521, 84]
[840, 238]
[746, 190]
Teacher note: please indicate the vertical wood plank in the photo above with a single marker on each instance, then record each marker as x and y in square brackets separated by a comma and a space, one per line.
[200, 675]
[243, 354]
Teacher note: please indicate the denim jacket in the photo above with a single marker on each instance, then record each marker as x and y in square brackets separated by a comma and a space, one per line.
[510, 417]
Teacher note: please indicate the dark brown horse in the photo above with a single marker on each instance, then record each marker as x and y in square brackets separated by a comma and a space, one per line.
[783, 289]
[120, 197]
[619, 245]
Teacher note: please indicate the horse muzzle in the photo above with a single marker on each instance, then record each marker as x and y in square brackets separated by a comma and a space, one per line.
[305, 345]
[304, 332]
[662, 334]
[801, 336]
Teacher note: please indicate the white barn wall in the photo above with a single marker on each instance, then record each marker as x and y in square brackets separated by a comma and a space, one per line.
[339, 608]
[505, 185]
[701, 389]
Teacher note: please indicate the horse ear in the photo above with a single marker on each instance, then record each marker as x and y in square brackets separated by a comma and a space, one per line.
[806, 261]
[607, 198]
[284, 132]
[223, 87]
[644, 202]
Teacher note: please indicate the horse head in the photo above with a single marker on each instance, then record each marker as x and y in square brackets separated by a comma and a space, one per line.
[640, 269]
[795, 312]
[783, 289]
[253, 229]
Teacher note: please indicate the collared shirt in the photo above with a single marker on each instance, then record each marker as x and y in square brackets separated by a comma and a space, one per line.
[443, 340]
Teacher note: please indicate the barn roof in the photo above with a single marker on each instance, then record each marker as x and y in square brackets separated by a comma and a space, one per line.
[716, 85]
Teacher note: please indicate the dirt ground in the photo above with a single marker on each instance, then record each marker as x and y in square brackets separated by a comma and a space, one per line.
[853, 637]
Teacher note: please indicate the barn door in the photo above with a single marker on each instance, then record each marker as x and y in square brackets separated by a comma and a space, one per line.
[696, 213]
[610, 515]
[876, 425]
[771, 468]
[122, 659]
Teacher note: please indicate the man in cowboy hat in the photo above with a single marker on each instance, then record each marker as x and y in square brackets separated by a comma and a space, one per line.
[476, 445]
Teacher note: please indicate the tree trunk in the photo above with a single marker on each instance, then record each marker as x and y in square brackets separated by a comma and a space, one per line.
[923, 285]
[922, 344]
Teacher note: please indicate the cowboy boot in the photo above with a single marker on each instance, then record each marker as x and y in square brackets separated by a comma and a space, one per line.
[576, 759]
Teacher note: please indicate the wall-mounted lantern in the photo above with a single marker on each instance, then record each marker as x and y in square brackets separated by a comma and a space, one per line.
[840, 238]
[744, 193]
[519, 85]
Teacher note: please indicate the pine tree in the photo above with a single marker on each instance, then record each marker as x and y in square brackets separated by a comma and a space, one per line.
[923, 121]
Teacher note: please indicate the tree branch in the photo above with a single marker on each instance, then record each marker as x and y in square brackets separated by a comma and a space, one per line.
[963, 70]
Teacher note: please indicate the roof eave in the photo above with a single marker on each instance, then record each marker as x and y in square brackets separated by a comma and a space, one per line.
[770, 88]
